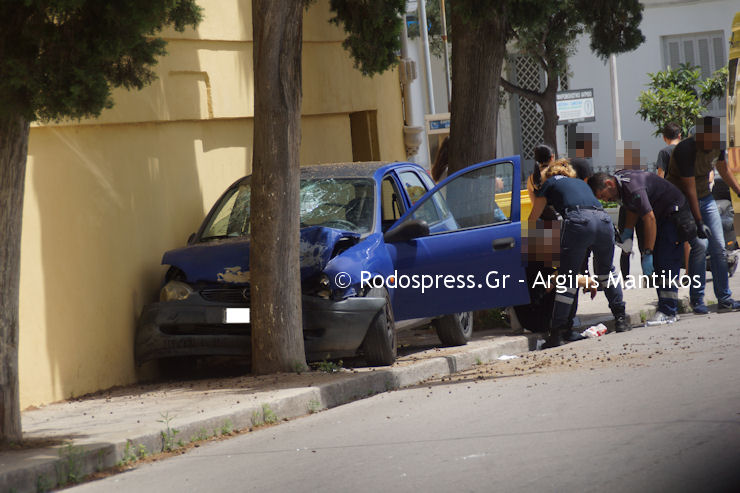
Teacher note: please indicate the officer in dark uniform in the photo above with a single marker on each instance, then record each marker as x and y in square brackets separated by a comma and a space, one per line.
[585, 226]
[667, 223]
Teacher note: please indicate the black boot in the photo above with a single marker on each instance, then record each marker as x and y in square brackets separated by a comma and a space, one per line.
[553, 339]
[621, 324]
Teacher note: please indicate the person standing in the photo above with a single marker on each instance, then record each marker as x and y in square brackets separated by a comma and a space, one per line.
[581, 162]
[667, 224]
[585, 225]
[671, 137]
[689, 169]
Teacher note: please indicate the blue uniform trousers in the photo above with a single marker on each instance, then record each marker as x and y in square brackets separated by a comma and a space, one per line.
[584, 229]
[667, 260]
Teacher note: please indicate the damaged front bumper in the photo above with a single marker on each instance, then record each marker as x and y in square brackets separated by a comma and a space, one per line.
[195, 327]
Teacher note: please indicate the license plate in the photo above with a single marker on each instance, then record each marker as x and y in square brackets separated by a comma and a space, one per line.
[236, 315]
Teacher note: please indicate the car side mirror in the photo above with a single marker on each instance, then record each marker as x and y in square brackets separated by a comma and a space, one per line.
[406, 231]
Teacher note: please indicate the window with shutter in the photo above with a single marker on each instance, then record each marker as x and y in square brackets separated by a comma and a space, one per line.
[704, 50]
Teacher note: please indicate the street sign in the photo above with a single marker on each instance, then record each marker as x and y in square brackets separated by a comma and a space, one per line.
[438, 123]
[575, 106]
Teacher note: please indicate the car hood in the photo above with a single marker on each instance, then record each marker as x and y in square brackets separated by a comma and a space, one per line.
[227, 260]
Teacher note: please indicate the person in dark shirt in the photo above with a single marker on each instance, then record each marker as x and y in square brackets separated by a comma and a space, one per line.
[582, 154]
[667, 224]
[585, 225]
[671, 137]
[689, 169]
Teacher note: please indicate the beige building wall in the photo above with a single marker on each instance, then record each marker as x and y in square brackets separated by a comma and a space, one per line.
[106, 197]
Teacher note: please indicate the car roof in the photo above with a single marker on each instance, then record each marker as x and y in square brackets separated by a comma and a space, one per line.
[346, 170]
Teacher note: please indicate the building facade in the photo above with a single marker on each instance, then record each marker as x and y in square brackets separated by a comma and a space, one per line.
[106, 197]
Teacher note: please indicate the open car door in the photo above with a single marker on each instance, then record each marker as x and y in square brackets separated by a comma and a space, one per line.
[471, 260]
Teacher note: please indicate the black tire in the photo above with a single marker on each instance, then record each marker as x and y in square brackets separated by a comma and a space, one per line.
[380, 345]
[455, 329]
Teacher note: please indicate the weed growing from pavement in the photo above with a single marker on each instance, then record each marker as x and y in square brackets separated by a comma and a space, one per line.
[299, 367]
[227, 427]
[129, 455]
[43, 483]
[169, 433]
[69, 470]
[478, 361]
[268, 415]
[643, 316]
[314, 406]
[329, 366]
[201, 436]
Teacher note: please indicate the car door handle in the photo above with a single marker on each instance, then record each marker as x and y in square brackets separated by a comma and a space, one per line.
[504, 243]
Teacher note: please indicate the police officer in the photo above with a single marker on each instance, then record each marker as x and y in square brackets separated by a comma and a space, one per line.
[585, 225]
[667, 223]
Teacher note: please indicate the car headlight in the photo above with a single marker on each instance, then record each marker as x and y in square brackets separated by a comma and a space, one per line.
[175, 291]
[324, 287]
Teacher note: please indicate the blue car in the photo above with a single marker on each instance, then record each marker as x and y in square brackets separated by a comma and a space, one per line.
[381, 247]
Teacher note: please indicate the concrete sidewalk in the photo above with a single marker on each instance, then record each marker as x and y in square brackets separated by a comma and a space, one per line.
[86, 435]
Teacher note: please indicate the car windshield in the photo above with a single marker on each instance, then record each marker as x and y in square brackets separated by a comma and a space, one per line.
[340, 203]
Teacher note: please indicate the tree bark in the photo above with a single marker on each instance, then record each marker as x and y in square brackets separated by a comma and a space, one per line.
[478, 51]
[13, 153]
[277, 334]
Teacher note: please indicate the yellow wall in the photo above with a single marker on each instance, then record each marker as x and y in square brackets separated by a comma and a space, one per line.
[106, 197]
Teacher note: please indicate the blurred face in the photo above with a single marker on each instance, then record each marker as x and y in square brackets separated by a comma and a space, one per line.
[609, 193]
[707, 138]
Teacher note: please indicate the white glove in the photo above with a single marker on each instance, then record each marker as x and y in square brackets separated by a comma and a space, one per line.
[626, 246]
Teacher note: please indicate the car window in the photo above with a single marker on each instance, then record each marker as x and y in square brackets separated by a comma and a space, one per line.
[392, 208]
[478, 198]
[413, 185]
[340, 203]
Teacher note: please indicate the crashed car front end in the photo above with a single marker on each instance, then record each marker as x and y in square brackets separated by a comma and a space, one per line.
[205, 300]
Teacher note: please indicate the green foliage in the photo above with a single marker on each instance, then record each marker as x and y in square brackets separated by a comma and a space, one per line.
[227, 427]
[329, 366]
[61, 58]
[679, 95]
[169, 433]
[373, 31]
[69, 470]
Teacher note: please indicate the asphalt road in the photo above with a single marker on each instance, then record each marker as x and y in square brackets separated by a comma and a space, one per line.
[655, 409]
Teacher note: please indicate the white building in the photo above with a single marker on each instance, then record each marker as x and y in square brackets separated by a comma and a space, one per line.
[676, 32]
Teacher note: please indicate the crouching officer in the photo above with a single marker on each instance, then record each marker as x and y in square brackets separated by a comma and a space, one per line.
[585, 226]
[667, 223]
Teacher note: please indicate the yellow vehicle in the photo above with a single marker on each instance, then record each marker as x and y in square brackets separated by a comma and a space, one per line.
[733, 115]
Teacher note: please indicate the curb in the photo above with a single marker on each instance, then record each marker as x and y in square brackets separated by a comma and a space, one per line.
[48, 468]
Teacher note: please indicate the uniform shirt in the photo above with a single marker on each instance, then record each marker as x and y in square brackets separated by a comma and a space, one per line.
[565, 193]
[583, 167]
[689, 161]
[642, 192]
[664, 157]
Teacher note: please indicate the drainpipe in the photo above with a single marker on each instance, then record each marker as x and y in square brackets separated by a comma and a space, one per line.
[427, 58]
[447, 53]
[412, 134]
[616, 120]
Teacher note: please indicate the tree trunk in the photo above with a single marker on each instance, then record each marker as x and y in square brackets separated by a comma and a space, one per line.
[13, 153]
[477, 58]
[548, 103]
[277, 333]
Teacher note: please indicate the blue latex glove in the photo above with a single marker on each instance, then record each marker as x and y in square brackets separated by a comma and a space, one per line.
[626, 234]
[647, 264]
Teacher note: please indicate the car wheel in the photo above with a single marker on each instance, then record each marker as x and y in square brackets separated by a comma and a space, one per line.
[380, 344]
[455, 329]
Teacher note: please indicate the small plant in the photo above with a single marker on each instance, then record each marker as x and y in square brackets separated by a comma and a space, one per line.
[643, 316]
[314, 406]
[268, 415]
[227, 427]
[329, 366]
[478, 361]
[169, 433]
[70, 469]
[299, 367]
[143, 452]
[129, 455]
[711, 302]
[201, 436]
[43, 484]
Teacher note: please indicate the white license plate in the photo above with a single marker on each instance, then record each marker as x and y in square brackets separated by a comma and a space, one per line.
[236, 315]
